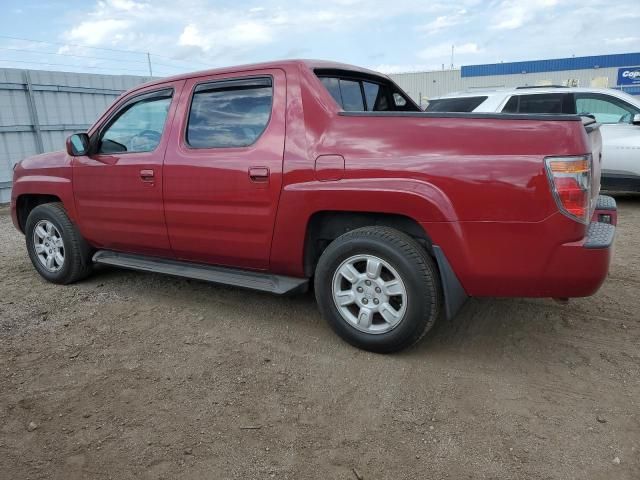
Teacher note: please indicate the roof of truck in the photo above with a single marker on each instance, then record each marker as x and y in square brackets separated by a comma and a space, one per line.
[309, 63]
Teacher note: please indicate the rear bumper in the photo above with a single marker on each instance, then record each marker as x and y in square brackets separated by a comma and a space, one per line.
[606, 210]
[578, 269]
[493, 259]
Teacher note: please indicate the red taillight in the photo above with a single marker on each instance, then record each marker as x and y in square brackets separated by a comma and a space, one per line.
[570, 179]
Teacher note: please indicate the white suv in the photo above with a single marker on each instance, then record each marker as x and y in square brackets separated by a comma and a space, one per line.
[618, 112]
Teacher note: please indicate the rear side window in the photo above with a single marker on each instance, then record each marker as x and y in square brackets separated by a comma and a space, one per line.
[543, 103]
[229, 113]
[368, 93]
[462, 104]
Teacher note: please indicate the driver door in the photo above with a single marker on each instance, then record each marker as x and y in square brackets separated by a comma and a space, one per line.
[118, 186]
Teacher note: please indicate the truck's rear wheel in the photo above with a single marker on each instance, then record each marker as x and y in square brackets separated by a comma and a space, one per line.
[56, 248]
[378, 289]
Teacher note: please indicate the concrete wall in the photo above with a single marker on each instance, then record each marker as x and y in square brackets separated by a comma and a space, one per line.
[39, 109]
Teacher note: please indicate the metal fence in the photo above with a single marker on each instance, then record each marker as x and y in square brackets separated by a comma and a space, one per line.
[39, 109]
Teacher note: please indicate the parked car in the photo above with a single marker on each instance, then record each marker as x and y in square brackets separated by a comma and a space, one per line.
[617, 112]
[280, 175]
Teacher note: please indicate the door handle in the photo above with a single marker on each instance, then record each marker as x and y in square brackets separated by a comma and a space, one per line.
[259, 174]
[147, 175]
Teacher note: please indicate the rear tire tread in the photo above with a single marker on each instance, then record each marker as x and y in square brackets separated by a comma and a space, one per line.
[422, 262]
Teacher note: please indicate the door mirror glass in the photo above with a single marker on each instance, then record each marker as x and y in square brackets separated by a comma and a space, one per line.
[78, 144]
[636, 119]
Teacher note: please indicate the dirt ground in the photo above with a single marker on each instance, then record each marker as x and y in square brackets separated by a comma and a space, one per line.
[137, 375]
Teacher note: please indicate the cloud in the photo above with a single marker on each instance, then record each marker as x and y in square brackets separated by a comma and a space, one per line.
[239, 34]
[512, 14]
[190, 37]
[402, 68]
[443, 50]
[444, 22]
[623, 41]
[126, 5]
[227, 32]
[408, 35]
[249, 32]
[97, 32]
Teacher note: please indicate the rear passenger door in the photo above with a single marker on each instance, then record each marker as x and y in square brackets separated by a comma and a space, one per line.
[223, 168]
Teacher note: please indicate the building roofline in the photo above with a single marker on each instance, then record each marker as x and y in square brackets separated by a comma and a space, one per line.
[552, 65]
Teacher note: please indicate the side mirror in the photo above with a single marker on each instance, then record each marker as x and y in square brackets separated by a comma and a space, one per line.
[636, 119]
[78, 144]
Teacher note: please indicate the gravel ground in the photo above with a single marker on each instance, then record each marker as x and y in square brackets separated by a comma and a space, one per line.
[137, 375]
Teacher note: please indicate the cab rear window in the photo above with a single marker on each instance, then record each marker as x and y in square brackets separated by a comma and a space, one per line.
[364, 93]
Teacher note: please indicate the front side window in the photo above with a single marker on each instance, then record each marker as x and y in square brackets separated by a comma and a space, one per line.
[229, 113]
[138, 126]
[606, 109]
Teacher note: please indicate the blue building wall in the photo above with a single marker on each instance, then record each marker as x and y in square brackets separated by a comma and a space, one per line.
[553, 65]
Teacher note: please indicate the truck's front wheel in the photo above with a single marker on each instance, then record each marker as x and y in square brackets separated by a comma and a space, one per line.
[56, 248]
[378, 289]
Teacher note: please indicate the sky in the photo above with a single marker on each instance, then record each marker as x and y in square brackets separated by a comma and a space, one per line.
[112, 36]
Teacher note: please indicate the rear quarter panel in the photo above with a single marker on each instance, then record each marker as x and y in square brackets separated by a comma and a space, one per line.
[477, 186]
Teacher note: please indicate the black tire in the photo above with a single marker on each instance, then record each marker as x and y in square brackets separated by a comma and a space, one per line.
[77, 253]
[411, 261]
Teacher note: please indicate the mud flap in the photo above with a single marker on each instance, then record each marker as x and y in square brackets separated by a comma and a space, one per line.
[454, 295]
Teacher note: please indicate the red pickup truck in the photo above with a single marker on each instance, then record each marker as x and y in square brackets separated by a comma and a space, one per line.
[277, 175]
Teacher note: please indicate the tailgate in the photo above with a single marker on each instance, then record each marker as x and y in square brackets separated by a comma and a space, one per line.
[593, 131]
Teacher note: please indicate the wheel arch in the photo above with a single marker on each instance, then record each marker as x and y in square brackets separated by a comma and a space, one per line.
[325, 226]
[29, 191]
[26, 202]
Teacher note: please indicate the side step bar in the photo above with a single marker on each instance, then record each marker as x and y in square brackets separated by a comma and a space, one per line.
[239, 278]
